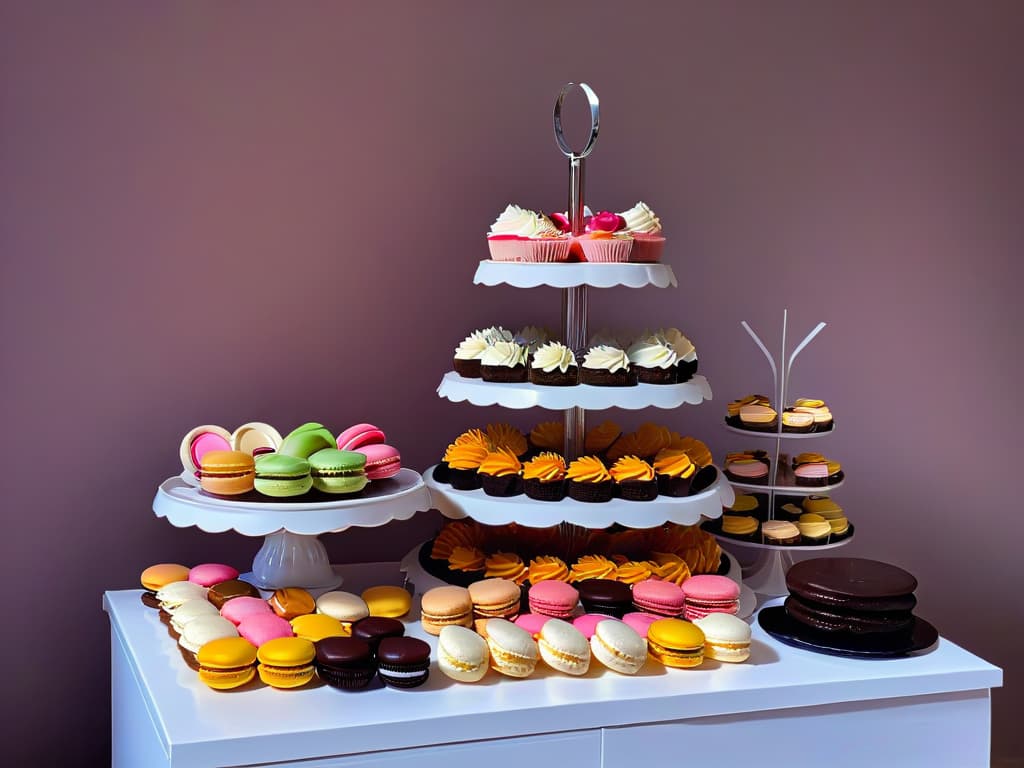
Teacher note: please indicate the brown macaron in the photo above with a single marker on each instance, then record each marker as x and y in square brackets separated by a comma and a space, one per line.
[445, 606]
[495, 598]
[289, 602]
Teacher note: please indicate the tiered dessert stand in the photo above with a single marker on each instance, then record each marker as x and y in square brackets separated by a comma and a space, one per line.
[292, 555]
[765, 565]
[575, 401]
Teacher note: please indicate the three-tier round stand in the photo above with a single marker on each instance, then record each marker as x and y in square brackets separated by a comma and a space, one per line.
[765, 565]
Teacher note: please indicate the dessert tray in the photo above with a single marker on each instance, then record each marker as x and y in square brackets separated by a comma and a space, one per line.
[523, 275]
[785, 483]
[785, 435]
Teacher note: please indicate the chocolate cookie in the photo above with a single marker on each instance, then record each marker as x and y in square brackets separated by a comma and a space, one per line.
[853, 584]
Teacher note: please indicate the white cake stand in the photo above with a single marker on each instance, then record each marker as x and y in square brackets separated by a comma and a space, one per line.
[292, 555]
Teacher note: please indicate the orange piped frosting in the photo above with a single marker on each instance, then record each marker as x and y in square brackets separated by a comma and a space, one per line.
[500, 463]
[670, 567]
[651, 438]
[632, 468]
[588, 469]
[548, 568]
[599, 438]
[466, 559]
[457, 533]
[698, 452]
[635, 571]
[627, 445]
[507, 436]
[674, 463]
[473, 437]
[592, 567]
[465, 456]
[548, 436]
[547, 467]
[505, 565]
[735, 406]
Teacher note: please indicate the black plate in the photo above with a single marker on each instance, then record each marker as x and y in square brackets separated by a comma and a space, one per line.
[777, 623]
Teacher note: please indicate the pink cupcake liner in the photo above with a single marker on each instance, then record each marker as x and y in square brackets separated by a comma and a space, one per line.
[547, 250]
[507, 250]
[607, 250]
[647, 248]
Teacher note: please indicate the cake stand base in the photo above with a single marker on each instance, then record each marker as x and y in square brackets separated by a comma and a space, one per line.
[765, 571]
[293, 560]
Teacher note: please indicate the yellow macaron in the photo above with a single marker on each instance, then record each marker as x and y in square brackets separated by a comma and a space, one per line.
[675, 643]
[286, 662]
[317, 626]
[389, 602]
[227, 663]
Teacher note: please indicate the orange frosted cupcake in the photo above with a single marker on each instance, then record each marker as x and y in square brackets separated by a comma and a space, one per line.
[506, 436]
[466, 559]
[600, 438]
[548, 568]
[544, 477]
[592, 567]
[589, 480]
[463, 462]
[670, 567]
[633, 571]
[500, 473]
[548, 436]
[635, 479]
[698, 452]
[675, 471]
[506, 565]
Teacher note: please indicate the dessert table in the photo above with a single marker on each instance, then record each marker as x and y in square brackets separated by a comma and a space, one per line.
[783, 706]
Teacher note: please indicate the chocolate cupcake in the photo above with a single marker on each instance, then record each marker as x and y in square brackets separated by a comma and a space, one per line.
[470, 350]
[732, 417]
[748, 467]
[589, 480]
[758, 418]
[635, 479]
[463, 465]
[605, 366]
[797, 422]
[654, 360]
[554, 365]
[544, 477]
[814, 529]
[686, 353]
[779, 532]
[742, 527]
[503, 362]
[500, 473]
[674, 471]
[819, 412]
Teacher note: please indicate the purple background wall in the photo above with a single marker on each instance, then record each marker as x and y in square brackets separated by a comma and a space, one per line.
[223, 212]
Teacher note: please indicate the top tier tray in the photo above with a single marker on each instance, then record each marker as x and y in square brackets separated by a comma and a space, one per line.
[530, 275]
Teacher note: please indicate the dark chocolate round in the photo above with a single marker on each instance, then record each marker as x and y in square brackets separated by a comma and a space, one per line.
[343, 652]
[853, 583]
[373, 629]
[833, 619]
[403, 652]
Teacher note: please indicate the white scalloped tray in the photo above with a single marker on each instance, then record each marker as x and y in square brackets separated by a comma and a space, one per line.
[529, 275]
[790, 490]
[497, 510]
[397, 498]
[783, 435]
[479, 392]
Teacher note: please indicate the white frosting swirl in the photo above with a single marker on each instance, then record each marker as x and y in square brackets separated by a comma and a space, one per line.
[471, 347]
[554, 355]
[640, 218]
[523, 223]
[495, 334]
[652, 354]
[683, 346]
[606, 357]
[505, 353]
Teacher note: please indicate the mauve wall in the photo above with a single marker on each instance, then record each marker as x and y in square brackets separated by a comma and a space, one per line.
[230, 211]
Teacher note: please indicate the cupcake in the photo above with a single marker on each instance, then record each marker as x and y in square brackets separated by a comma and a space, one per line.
[819, 412]
[813, 469]
[698, 452]
[779, 532]
[600, 438]
[505, 565]
[650, 439]
[732, 417]
[795, 421]
[592, 567]
[635, 479]
[740, 526]
[743, 504]
[605, 366]
[830, 511]
[553, 365]
[758, 418]
[471, 349]
[544, 477]
[548, 436]
[635, 571]
[674, 471]
[503, 361]
[466, 559]
[685, 352]
[506, 436]
[602, 242]
[547, 568]
[670, 567]
[654, 360]
[463, 462]
[519, 234]
[500, 473]
[645, 229]
[589, 480]
[814, 529]
[747, 467]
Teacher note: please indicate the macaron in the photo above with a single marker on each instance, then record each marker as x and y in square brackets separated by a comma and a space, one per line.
[563, 647]
[227, 473]
[316, 626]
[305, 440]
[462, 654]
[373, 629]
[345, 662]
[588, 622]
[338, 472]
[281, 476]
[445, 606]
[513, 650]
[225, 591]
[661, 597]
[208, 574]
[495, 598]
[240, 608]
[726, 637]
[187, 612]
[553, 598]
[676, 643]
[201, 631]
[176, 593]
[199, 442]
[260, 629]
[360, 435]
[289, 602]
[531, 622]
[226, 663]
[403, 662]
[641, 621]
[618, 647]
[605, 596]
[286, 662]
[710, 594]
[343, 606]
[382, 460]
[156, 577]
[255, 438]
[387, 601]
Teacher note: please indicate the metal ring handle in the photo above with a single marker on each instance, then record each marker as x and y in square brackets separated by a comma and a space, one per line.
[595, 120]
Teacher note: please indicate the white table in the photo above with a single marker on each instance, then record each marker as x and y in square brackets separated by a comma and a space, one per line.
[783, 707]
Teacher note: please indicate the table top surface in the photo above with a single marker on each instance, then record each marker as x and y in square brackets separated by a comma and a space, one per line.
[265, 724]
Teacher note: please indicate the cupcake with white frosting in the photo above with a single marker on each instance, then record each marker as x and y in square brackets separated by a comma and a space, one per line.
[471, 349]
[654, 359]
[519, 234]
[645, 228]
[553, 365]
[686, 353]
[503, 361]
[606, 366]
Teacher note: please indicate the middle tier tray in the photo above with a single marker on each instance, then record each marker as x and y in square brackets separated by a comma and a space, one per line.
[499, 510]
[479, 392]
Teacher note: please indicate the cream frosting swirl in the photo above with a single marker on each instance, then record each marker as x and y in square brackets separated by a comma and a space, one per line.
[521, 222]
[504, 353]
[554, 355]
[653, 353]
[603, 357]
[640, 218]
[471, 347]
[682, 345]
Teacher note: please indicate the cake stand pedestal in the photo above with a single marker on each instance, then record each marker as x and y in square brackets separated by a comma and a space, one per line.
[292, 554]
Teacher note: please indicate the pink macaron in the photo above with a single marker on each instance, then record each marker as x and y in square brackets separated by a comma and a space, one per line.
[640, 621]
[531, 622]
[710, 594]
[208, 574]
[554, 598]
[259, 629]
[587, 623]
[238, 609]
[358, 435]
[661, 597]
[382, 460]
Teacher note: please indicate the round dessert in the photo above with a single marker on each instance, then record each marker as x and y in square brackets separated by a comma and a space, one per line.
[589, 480]
[286, 662]
[654, 360]
[316, 626]
[564, 648]
[710, 594]
[557, 599]
[240, 608]
[227, 473]
[743, 527]
[820, 414]
[605, 247]
[261, 628]
[747, 470]
[814, 529]
[522, 235]
[208, 574]
[588, 567]
[232, 589]
[544, 477]
[305, 440]
[726, 638]
[635, 479]
[387, 601]
[338, 472]
[227, 663]
[606, 596]
[255, 438]
[200, 631]
[676, 643]
[501, 473]
[661, 597]
[531, 622]
[345, 662]
[344, 607]
[688, 364]
[547, 568]
[645, 229]
[641, 621]
[158, 576]
[289, 602]
[382, 460]
[506, 565]
[513, 650]
[373, 629]
[758, 418]
[281, 476]
[462, 654]
[188, 612]
[587, 623]
[503, 362]
[403, 662]
[619, 647]
[796, 421]
[554, 365]
[200, 441]
[779, 532]
[605, 366]
[470, 349]
[495, 598]
[445, 606]
[675, 471]
[463, 461]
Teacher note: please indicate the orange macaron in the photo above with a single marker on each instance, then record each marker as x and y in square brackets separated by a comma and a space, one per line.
[227, 473]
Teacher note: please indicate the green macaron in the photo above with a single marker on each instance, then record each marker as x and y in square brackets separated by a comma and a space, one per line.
[306, 440]
[282, 476]
[337, 471]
